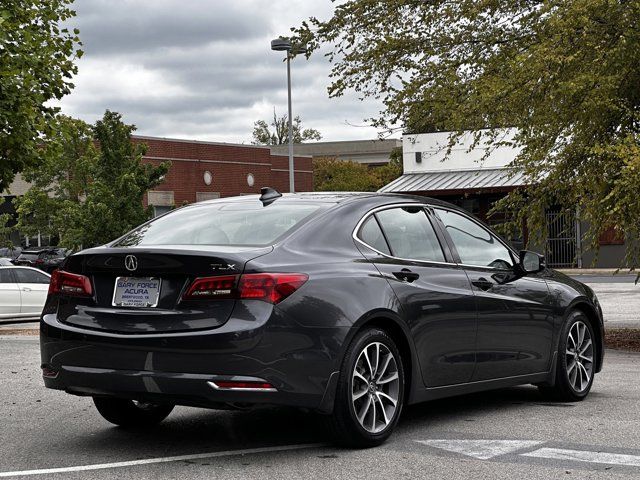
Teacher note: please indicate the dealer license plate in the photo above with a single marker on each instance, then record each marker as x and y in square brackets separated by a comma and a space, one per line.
[136, 292]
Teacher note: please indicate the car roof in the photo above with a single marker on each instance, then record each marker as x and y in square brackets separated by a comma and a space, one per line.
[13, 267]
[42, 250]
[333, 197]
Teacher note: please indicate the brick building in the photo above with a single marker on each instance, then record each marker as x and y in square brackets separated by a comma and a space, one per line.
[199, 171]
[204, 170]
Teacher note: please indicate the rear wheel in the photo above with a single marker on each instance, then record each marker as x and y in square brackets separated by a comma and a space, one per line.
[131, 413]
[576, 360]
[370, 391]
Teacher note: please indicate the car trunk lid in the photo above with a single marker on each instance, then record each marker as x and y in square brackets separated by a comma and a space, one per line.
[119, 276]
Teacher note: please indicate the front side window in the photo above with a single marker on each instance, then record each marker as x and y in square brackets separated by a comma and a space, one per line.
[410, 234]
[475, 245]
[243, 223]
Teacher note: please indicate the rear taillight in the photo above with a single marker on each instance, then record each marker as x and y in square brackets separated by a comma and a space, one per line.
[66, 283]
[268, 287]
[212, 287]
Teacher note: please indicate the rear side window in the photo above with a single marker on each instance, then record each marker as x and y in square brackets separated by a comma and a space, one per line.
[410, 234]
[243, 223]
[30, 276]
[371, 234]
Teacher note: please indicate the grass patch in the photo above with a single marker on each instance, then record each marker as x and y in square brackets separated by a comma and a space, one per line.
[627, 339]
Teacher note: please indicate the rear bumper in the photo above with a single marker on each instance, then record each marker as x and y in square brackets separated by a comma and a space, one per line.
[177, 367]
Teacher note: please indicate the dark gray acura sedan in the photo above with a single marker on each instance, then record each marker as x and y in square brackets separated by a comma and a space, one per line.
[351, 305]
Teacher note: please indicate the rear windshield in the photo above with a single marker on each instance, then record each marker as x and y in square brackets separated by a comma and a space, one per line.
[221, 224]
[29, 256]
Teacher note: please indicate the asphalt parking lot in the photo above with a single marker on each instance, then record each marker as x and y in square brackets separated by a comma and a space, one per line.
[504, 434]
[619, 297]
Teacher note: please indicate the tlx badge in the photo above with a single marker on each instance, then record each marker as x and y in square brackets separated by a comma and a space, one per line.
[223, 266]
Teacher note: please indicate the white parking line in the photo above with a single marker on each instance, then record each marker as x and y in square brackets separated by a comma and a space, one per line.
[583, 456]
[148, 461]
[481, 449]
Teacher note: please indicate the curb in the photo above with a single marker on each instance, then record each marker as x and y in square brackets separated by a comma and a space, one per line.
[8, 321]
[597, 271]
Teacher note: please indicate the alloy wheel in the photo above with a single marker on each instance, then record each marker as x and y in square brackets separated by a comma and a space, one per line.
[579, 355]
[375, 389]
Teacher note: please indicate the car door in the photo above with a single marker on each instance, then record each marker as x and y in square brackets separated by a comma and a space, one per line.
[515, 316]
[434, 293]
[33, 285]
[9, 294]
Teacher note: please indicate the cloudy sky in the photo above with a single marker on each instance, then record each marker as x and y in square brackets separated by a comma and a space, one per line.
[203, 69]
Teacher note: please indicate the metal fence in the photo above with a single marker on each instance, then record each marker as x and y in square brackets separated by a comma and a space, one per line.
[562, 246]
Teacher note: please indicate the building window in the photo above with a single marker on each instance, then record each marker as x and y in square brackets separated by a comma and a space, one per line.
[160, 210]
[161, 201]
[202, 196]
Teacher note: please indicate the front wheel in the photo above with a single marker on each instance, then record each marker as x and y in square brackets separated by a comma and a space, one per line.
[370, 391]
[131, 413]
[576, 360]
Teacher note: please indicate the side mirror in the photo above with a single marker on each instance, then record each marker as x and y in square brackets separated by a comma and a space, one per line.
[531, 262]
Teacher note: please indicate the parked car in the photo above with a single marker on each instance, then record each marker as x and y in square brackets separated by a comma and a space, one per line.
[10, 253]
[5, 262]
[23, 291]
[352, 305]
[46, 259]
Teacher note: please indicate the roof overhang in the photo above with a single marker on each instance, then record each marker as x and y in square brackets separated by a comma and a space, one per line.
[456, 181]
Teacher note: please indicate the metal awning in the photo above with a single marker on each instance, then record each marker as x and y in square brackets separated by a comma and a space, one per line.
[485, 178]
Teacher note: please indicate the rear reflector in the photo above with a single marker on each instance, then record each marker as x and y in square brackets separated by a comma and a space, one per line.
[268, 287]
[66, 283]
[49, 372]
[244, 386]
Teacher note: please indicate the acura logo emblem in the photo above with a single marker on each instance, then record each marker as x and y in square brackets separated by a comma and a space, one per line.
[131, 262]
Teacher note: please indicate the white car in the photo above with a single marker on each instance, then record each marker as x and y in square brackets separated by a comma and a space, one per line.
[23, 291]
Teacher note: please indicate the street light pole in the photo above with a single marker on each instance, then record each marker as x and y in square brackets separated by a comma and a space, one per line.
[291, 170]
[284, 45]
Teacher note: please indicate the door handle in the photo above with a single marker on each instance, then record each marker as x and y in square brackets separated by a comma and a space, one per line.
[406, 275]
[26, 289]
[483, 283]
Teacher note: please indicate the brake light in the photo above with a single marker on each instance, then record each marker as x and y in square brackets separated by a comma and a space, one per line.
[66, 283]
[268, 287]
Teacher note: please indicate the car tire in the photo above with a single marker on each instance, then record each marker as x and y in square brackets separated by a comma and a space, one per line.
[131, 414]
[576, 360]
[370, 391]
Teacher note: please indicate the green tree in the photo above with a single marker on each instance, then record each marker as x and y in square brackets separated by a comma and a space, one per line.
[36, 64]
[5, 230]
[278, 134]
[388, 172]
[90, 185]
[564, 74]
[333, 175]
